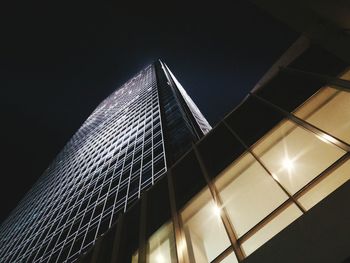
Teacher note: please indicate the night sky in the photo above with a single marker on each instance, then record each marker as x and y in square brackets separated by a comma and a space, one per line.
[59, 61]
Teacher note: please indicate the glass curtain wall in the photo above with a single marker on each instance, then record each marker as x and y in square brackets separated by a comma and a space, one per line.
[275, 181]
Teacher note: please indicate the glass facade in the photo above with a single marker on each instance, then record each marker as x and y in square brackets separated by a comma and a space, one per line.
[123, 148]
[203, 229]
[329, 110]
[326, 186]
[161, 245]
[295, 156]
[248, 193]
[297, 163]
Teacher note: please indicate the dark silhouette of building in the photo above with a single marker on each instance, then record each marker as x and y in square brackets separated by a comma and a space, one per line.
[123, 148]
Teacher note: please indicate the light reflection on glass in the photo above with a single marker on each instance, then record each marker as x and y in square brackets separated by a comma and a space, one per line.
[205, 234]
[161, 246]
[295, 156]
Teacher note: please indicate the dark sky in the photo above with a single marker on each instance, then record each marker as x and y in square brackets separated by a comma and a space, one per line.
[58, 61]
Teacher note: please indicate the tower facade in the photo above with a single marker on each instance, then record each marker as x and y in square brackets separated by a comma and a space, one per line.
[125, 145]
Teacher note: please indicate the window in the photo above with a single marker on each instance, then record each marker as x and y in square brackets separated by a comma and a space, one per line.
[135, 257]
[294, 155]
[248, 193]
[205, 234]
[346, 75]
[271, 229]
[329, 110]
[230, 259]
[326, 186]
[161, 246]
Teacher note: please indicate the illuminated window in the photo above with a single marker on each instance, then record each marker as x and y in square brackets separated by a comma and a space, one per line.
[135, 257]
[161, 246]
[326, 186]
[271, 229]
[346, 75]
[230, 259]
[248, 193]
[295, 156]
[205, 234]
[329, 110]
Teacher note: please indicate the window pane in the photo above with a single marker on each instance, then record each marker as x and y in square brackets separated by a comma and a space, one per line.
[230, 259]
[161, 246]
[346, 75]
[295, 156]
[205, 234]
[329, 110]
[248, 193]
[135, 257]
[326, 186]
[271, 229]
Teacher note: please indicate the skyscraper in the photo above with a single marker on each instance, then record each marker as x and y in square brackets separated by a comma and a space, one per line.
[125, 145]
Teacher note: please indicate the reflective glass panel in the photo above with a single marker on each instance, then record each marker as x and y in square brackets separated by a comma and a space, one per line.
[346, 75]
[294, 155]
[161, 246]
[205, 234]
[230, 259]
[271, 229]
[326, 186]
[248, 193]
[329, 110]
[135, 257]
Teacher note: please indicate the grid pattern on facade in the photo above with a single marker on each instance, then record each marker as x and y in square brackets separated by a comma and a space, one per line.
[242, 233]
[117, 152]
[291, 198]
[273, 182]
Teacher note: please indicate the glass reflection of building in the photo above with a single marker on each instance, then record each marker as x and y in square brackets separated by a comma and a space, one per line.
[262, 180]
[123, 148]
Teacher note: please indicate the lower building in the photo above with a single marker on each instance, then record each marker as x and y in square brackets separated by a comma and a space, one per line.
[269, 183]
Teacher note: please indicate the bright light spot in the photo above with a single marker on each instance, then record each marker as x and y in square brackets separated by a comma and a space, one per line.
[182, 246]
[217, 210]
[160, 258]
[288, 164]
